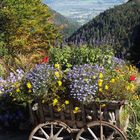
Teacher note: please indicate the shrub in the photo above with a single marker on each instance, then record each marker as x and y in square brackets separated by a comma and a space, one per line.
[69, 56]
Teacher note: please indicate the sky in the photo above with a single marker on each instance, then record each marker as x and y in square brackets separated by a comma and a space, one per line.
[82, 10]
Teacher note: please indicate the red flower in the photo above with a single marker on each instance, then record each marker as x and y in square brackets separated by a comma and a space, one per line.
[45, 60]
[132, 78]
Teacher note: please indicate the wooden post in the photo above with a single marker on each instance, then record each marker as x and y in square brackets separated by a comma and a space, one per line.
[32, 119]
[40, 112]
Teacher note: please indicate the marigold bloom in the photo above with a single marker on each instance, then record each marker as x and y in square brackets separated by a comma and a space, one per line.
[29, 85]
[66, 102]
[59, 83]
[112, 80]
[55, 102]
[106, 87]
[57, 74]
[76, 109]
[100, 89]
[132, 78]
[100, 75]
[100, 84]
[57, 66]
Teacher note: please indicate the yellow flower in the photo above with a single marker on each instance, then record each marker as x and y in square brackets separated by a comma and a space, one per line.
[59, 83]
[29, 85]
[76, 109]
[57, 66]
[112, 80]
[67, 102]
[55, 102]
[100, 89]
[106, 87]
[17, 90]
[100, 84]
[100, 75]
[57, 74]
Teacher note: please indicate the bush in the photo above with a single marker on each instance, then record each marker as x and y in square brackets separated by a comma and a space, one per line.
[69, 56]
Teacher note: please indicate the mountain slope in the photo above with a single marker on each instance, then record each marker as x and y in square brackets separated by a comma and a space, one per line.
[114, 27]
[66, 26]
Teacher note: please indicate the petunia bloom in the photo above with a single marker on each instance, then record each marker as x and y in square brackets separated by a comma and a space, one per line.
[45, 60]
[132, 78]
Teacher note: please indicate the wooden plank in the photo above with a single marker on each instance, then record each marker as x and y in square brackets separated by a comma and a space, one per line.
[72, 116]
[40, 111]
[32, 119]
[51, 112]
[83, 113]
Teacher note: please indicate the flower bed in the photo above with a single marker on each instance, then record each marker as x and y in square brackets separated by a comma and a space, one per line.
[59, 84]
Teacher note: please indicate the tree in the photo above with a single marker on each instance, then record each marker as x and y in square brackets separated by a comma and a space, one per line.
[26, 27]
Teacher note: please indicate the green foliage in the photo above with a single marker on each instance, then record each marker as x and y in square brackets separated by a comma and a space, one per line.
[134, 132]
[68, 56]
[26, 27]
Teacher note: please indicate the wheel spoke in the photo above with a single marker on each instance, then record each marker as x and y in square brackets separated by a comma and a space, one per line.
[46, 135]
[57, 134]
[38, 138]
[51, 129]
[60, 138]
[91, 132]
[101, 132]
[82, 138]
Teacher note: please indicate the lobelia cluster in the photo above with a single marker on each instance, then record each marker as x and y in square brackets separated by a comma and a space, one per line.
[44, 80]
[117, 62]
[84, 81]
[39, 78]
[11, 82]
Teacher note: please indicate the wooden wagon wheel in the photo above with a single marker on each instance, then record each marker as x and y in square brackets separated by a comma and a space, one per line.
[51, 131]
[100, 131]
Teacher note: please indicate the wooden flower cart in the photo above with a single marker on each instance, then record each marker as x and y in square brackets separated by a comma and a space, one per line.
[92, 122]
